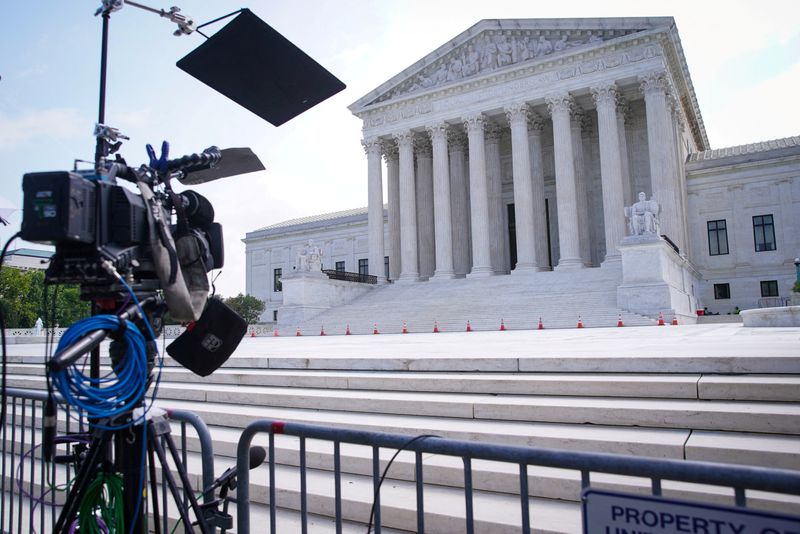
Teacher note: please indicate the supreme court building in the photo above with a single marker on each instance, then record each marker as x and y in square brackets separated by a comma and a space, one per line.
[515, 148]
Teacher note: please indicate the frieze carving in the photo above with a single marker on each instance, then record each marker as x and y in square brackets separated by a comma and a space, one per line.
[488, 88]
[495, 49]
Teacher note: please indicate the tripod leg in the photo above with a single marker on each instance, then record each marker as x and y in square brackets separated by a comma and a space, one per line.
[82, 480]
[173, 488]
[154, 491]
[198, 512]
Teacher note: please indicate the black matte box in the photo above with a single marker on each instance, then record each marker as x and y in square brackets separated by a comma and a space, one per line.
[208, 342]
[58, 206]
[258, 68]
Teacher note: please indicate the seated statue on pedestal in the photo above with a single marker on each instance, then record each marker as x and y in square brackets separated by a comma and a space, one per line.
[309, 259]
[643, 217]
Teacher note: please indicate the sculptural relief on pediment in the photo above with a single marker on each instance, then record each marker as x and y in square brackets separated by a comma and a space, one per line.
[493, 50]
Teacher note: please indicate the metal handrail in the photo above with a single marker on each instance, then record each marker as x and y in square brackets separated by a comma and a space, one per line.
[333, 274]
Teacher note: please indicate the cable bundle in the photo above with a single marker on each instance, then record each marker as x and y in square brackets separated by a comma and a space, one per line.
[118, 391]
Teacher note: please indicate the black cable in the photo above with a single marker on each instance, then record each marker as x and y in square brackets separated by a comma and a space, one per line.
[385, 471]
[3, 337]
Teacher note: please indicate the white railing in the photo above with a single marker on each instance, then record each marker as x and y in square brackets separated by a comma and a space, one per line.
[170, 331]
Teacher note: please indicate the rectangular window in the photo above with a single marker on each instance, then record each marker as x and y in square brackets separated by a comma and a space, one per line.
[339, 266]
[275, 316]
[276, 280]
[769, 288]
[363, 266]
[386, 266]
[722, 291]
[717, 237]
[764, 233]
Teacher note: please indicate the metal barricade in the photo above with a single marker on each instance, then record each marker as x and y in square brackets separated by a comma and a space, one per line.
[31, 489]
[739, 478]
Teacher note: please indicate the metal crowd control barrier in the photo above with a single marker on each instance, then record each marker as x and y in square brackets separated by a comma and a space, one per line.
[739, 478]
[29, 486]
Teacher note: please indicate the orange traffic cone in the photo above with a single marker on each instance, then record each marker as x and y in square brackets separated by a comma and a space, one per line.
[541, 326]
[252, 333]
[347, 330]
[619, 321]
[435, 327]
[298, 332]
[660, 319]
[580, 323]
[405, 328]
[502, 326]
[674, 320]
[375, 329]
[275, 333]
[322, 330]
[469, 326]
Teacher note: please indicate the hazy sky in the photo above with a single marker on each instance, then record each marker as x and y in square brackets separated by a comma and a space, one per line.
[744, 58]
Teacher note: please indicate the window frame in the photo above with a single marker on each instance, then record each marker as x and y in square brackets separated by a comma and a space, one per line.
[770, 284]
[722, 291]
[761, 227]
[363, 266]
[277, 283]
[339, 267]
[717, 233]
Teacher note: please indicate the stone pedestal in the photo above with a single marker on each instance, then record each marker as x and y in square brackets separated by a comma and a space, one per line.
[307, 294]
[657, 279]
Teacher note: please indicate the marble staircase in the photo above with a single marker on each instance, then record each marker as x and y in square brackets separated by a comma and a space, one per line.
[693, 392]
[519, 300]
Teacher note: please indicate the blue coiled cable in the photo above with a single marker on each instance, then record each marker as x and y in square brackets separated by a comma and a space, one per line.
[118, 391]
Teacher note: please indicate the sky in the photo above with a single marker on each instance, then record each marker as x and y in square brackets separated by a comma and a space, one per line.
[743, 56]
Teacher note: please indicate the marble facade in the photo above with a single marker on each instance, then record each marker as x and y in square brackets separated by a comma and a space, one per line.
[515, 147]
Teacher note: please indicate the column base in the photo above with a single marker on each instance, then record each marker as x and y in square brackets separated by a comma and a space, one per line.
[443, 275]
[524, 268]
[574, 264]
[481, 272]
[407, 278]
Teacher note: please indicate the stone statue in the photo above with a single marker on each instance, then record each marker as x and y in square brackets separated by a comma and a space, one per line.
[543, 47]
[561, 44]
[37, 328]
[504, 51]
[309, 259]
[643, 216]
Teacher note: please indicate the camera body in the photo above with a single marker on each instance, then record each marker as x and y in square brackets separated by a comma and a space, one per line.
[91, 219]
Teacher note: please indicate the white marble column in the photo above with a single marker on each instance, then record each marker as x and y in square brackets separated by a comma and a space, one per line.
[660, 141]
[497, 231]
[478, 197]
[443, 231]
[375, 228]
[409, 269]
[578, 123]
[459, 189]
[541, 254]
[569, 245]
[390, 154]
[623, 113]
[425, 221]
[518, 115]
[605, 97]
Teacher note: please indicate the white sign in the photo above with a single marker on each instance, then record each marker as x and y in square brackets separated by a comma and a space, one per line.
[606, 512]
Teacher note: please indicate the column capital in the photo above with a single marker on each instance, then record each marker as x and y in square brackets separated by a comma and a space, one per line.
[580, 119]
[474, 122]
[422, 146]
[519, 112]
[535, 123]
[560, 103]
[437, 130]
[605, 94]
[372, 145]
[390, 150]
[403, 139]
[456, 139]
[493, 131]
[654, 83]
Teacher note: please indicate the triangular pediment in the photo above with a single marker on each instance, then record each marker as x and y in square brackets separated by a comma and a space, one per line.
[494, 45]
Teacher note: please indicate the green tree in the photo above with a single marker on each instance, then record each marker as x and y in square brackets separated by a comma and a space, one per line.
[249, 307]
[22, 300]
